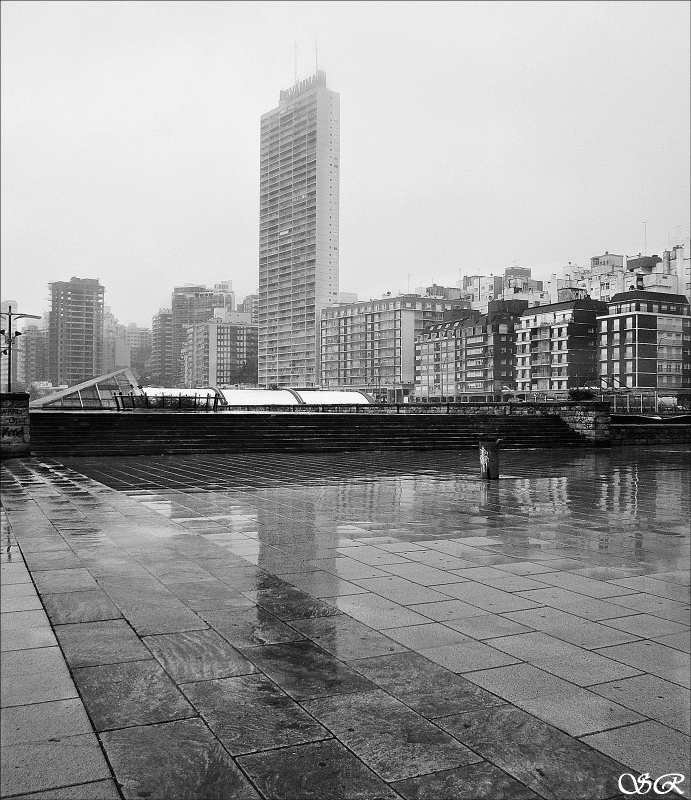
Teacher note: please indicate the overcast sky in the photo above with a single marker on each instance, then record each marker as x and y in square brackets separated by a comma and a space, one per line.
[473, 135]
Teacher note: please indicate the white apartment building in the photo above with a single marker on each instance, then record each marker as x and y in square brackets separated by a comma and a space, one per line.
[611, 274]
[370, 345]
[298, 230]
[220, 352]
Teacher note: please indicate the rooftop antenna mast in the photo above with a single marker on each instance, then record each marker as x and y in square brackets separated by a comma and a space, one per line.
[296, 61]
[316, 55]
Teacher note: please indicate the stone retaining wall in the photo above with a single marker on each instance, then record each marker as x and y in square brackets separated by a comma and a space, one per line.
[591, 419]
[625, 434]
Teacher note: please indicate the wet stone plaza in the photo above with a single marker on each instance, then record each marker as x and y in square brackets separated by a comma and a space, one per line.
[356, 625]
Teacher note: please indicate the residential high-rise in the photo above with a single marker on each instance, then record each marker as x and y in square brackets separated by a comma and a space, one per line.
[116, 351]
[468, 353]
[250, 305]
[190, 305]
[221, 352]
[645, 342]
[556, 345]
[75, 337]
[139, 341]
[370, 344]
[162, 348]
[298, 230]
[33, 355]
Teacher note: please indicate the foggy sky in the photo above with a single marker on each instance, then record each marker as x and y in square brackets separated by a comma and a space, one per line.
[473, 135]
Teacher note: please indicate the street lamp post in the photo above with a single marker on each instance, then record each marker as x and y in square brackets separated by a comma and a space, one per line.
[10, 339]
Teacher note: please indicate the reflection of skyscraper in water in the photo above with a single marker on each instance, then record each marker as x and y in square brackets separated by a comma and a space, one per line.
[299, 527]
[311, 522]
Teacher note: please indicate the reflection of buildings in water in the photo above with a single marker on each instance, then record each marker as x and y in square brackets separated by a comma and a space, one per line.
[607, 506]
[364, 501]
[547, 503]
[640, 503]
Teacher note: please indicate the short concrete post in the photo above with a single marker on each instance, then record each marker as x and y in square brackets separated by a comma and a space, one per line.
[489, 459]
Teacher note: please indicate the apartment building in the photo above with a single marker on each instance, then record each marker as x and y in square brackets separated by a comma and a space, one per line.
[116, 351]
[610, 274]
[644, 342]
[468, 353]
[221, 352]
[32, 353]
[250, 305]
[192, 304]
[556, 346]
[298, 230]
[75, 335]
[370, 345]
[675, 262]
[162, 373]
[516, 283]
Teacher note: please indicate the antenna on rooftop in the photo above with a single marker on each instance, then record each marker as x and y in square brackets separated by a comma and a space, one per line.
[296, 61]
[645, 238]
[316, 55]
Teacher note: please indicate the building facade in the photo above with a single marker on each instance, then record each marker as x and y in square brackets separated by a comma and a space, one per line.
[139, 341]
[556, 346]
[221, 353]
[645, 342]
[610, 274]
[116, 351]
[468, 353]
[33, 355]
[250, 305]
[675, 262]
[370, 345]
[162, 348]
[190, 305]
[75, 335]
[298, 230]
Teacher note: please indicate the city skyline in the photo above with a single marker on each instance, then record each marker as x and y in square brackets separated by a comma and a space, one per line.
[473, 136]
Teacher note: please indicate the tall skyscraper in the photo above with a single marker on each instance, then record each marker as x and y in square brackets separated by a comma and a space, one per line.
[75, 336]
[298, 230]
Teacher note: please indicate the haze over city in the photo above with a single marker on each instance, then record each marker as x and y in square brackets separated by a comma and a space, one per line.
[473, 136]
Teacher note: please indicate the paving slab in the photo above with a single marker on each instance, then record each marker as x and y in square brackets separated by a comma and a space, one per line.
[545, 759]
[250, 713]
[323, 769]
[178, 760]
[472, 782]
[389, 737]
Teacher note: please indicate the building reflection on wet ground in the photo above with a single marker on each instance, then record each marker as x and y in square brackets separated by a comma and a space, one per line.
[349, 625]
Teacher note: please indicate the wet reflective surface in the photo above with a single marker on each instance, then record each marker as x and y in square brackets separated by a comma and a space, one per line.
[355, 625]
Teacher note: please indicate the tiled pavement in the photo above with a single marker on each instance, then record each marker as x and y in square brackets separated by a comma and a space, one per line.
[361, 625]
